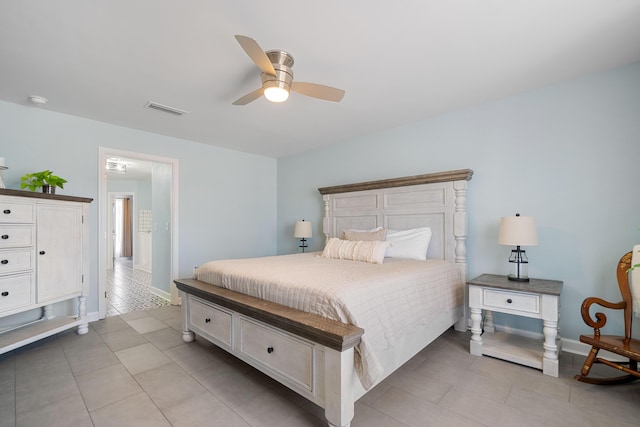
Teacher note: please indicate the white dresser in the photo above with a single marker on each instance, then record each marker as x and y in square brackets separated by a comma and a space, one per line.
[43, 261]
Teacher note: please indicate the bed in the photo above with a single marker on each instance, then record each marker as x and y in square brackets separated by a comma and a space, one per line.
[269, 313]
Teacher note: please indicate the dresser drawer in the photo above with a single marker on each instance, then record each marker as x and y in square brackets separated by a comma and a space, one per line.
[213, 321]
[289, 356]
[15, 260]
[15, 291]
[16, 213]
[512, 301]
[15, 236]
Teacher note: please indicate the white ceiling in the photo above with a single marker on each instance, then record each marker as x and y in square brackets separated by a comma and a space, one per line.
[398, 61]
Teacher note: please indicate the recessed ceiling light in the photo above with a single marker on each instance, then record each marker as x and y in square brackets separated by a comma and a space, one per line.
[38, 100]
[116, 166]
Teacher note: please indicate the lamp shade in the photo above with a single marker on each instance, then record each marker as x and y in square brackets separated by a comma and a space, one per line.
[518, 231]
[302, 230]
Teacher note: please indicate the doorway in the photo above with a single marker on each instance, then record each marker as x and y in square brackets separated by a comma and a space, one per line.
[137, 248]
[122, 208]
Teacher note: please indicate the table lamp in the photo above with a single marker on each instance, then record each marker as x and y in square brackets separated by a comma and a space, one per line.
[303, 232]
[518, 231]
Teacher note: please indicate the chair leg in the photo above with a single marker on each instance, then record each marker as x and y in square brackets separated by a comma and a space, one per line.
[588, 363]
[632, 371]
[586, 367]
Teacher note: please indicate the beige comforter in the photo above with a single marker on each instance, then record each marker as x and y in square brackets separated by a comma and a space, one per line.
[386, 300]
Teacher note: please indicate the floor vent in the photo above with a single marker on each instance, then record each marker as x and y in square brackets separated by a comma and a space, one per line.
[166, 108]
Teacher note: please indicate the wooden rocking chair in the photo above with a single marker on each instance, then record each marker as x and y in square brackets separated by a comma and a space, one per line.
[624, 346]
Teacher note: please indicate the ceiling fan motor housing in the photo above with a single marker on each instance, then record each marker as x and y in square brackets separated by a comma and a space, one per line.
[282, 63]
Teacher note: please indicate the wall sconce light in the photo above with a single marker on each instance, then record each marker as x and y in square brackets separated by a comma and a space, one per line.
[303, 232]
[518, 231]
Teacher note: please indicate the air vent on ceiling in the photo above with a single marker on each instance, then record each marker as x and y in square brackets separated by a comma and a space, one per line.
[166, 108]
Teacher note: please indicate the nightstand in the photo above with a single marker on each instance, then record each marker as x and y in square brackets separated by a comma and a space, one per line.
[538, 299]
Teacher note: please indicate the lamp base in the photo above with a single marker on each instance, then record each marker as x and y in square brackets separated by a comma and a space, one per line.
[517, 279]
[303, 244]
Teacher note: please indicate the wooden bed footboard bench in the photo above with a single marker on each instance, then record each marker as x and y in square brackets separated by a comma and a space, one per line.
[308, 353]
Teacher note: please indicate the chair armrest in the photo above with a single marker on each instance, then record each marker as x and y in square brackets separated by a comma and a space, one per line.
[601, 317]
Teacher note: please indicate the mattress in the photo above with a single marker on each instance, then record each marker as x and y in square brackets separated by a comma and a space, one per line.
[386, 300]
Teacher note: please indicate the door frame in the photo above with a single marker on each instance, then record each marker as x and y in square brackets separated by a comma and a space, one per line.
[103, 199]
[112, 196]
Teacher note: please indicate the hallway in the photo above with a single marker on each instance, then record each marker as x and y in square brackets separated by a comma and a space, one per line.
[129, 289]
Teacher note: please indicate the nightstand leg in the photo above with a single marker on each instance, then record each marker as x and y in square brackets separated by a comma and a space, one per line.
[489, 326]
[550, 362]
[475, 345]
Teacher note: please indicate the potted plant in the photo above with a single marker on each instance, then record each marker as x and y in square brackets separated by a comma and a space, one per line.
[45, 179]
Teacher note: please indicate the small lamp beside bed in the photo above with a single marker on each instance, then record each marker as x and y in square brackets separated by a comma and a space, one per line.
[303, 232]
[518, 231]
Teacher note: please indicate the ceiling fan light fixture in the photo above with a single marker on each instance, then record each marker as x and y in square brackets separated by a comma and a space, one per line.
[276, 94]
[277, 76]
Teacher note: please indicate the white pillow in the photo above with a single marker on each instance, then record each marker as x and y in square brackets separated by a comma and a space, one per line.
[353, 250]
[411, 244]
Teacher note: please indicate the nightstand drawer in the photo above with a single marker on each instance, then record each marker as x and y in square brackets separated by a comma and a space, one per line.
[513, 301]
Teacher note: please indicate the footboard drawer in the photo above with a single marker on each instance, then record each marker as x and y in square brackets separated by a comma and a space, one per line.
[212, 321]
[285, 354]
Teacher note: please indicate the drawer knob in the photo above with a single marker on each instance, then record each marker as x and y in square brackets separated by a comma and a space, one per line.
[207, 320]
[5, 236]
[42, 252]
[6, 211]
[270, 350]
[4, 261]
[5, 293]
[509, 301]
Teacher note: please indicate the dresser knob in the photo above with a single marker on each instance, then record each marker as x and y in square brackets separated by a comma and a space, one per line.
[5, 293]
[42, 252]
[4, 261]
[509, 301]
[270, 350]
[207, 320]
[6, 211]
[5, 236]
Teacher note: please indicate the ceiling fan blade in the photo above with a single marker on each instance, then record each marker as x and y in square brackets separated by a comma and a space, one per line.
[251, 96]
[257, 55]
[314, 90]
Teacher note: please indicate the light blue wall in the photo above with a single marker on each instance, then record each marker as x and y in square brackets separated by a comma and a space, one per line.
[141, 187]
[227, 198]
[568, 155]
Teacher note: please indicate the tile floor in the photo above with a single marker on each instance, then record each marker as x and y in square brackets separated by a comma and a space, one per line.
[135, 370]
[129, 289]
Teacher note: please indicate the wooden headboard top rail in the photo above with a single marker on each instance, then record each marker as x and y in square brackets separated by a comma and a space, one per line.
[455, 175]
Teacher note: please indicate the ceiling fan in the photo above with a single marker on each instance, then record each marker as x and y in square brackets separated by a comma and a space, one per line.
[277, 76]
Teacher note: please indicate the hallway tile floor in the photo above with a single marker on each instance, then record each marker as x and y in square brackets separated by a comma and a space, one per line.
[129, 289]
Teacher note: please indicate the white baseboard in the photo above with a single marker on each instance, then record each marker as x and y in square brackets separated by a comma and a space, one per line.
[142, 268]
[580, 348]
[160, 293]
[94, 316]
[521, 332]
[567, 345]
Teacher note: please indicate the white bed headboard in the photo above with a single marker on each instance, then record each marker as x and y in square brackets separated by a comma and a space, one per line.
[437, 200]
